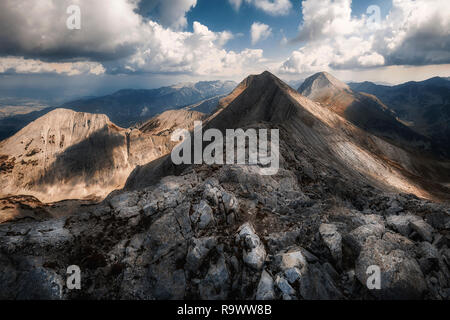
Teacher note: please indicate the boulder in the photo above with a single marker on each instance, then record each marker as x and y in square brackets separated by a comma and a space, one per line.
[401, 276]
[284, 286]
[333, 240]
[215, 285]
[316, 284]
[203, 215]
[423, 229]
[265, 290]
[254, 253]
[401, 223]
[198, 251]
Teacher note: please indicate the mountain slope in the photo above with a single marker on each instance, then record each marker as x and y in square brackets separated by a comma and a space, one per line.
[165, 123]
[216, 232]
[424, 105]
[364, 110]
[317, 133]
[66, 154]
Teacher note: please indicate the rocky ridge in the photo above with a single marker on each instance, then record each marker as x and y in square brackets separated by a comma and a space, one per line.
[311, 231]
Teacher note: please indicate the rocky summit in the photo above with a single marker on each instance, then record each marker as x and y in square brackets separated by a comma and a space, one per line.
[344, 206]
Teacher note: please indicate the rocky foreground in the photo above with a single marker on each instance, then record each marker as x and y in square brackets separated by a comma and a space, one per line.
[229, 233]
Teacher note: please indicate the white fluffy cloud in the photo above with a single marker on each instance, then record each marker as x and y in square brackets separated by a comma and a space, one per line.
[115, 36]
[272, 7]
[416, 32]
[199, 52]
[259, 31]
[37, 29]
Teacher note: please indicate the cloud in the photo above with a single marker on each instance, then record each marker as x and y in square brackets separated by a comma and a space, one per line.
[415, 32]
[169, 13]
[236, 4]
[117, 37]
[272, 7]
[37, 29]
[19, 65]
[199, 52]
[259, 31]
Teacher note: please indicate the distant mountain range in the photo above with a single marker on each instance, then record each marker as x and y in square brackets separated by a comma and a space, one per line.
[128, 107]
[364, 110]
[424, 106]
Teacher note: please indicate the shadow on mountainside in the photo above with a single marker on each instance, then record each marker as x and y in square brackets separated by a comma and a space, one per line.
[82, 161]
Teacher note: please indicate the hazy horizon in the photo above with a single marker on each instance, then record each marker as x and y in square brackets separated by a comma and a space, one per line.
[145, 44]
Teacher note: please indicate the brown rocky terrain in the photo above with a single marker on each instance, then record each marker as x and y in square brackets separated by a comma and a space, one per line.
[71, 155]
[365, 111]
[342, 200]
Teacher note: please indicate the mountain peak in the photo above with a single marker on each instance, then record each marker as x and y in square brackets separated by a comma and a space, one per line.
[265, 78]
[319, 81]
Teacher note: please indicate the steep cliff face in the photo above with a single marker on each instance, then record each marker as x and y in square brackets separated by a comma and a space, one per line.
[67, 154]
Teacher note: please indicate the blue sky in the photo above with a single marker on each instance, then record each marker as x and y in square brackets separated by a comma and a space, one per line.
[151, 43]
[219, 15]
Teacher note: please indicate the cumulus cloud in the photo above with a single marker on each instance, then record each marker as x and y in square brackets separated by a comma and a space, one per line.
[37, 29]
[199, 52]
[416, 32]
[116, 36]
[272, 7]
[169, 13]
[20, 65]
[259, 31]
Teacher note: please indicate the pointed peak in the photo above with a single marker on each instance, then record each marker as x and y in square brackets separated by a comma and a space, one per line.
[321, 81]
[266, 77]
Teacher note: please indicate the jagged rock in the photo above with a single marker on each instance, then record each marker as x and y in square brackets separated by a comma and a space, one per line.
[423, 229]
[291, 264]
[265, 290]
[254, 252]
[429, 257]
[203, 215]
[277, 241]
[401, 223]
[198, 251]
[439, 241]
[316, 284]
[356, 238]
[230, 203]
[292, 259]
[333, 240]
[215, 286]
[293, 274]
[284, 286]
[401, 276]
[394, 207]
[212, 192]
[124, 200]
[397, 241]
[36, 284]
